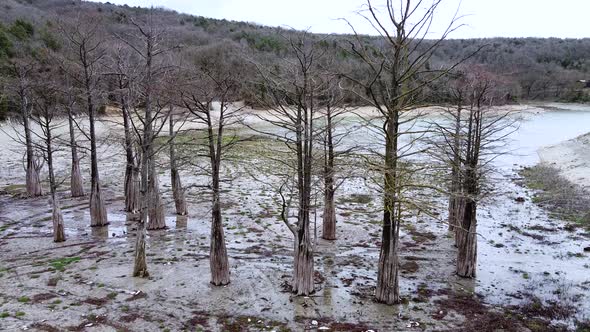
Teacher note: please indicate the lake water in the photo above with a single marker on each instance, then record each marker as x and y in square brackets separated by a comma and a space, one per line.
[561, 123]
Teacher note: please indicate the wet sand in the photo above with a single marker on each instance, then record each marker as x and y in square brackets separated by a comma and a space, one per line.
[572, 157]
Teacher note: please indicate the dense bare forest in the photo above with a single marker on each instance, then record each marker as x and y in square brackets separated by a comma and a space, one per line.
[168, 172]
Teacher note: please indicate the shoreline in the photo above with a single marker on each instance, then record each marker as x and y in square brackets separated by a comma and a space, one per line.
[571, 157]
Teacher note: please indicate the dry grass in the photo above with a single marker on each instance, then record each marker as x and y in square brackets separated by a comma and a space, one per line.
[564, 199]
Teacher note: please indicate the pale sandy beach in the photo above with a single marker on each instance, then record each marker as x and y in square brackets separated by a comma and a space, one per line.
[572, 157]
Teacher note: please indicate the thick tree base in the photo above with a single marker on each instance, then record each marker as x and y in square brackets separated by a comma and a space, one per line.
[178, 194]
[140, 265]
[157, 219]
[76, 182]
[59, 234]
[387, 290]
[98, 212]
[467, 255]
[303, 283]
[218, 260]
[467, 241]
[131, 188]
[33, 183]
[329, 222]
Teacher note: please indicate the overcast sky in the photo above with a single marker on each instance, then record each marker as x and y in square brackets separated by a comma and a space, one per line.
[482, 18]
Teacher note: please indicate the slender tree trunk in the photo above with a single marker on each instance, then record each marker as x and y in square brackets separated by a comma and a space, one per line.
[303, 283]
[303, 266]
[57, 217]
[98, 212]
[218, 260]
[59, 234]
[467, 244]
[329, 217]
[131, 184]
[177, 190]
[157, 218]
[140, 263]
[467, 233]
[33, 182]
[459, 214]
[454, 198]
[387, 290]
[76, 182]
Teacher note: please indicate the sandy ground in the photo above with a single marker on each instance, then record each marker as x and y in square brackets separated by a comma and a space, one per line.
[572, 157]
[532, 269]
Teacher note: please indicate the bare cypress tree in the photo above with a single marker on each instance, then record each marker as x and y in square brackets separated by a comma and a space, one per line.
[124, 70]
[333, 110]
[484, 131]
[292, 91]
[131, 186]
[396, 70]
[17, 79]
[147, 45]
[329, 216]
[20, 72]
[455, 201]
[69, 101]
[147, 119]
[446, 144]
[45, 112]
[86, 52]
[215, 80]
[468, 139]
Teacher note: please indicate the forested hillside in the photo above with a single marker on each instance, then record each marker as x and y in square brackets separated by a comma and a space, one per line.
[531, 68]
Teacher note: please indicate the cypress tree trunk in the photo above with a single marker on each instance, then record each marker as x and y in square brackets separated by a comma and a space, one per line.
[218, 260]
[466, 234]
[458, 215]
[157, 218]
[57, 218]
[98, 212]
[303, 266]
[76, 182]
[387, 290]
[455, 188]
[467, 244]
[177, 190]
[131, 184]
[178, 193]
[329, 217]
[132, 192]
[58, 221]
[33, 182]
[303, 261]
[140, 264]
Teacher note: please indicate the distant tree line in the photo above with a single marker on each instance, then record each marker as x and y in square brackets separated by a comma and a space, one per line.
[532, 68]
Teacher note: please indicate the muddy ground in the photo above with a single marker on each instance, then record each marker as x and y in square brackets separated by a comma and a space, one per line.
[533, 270]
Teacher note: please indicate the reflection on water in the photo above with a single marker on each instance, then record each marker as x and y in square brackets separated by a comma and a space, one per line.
[100, 232]
[181, 222]
[549, 125]
[131, 218]
[565, 122]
